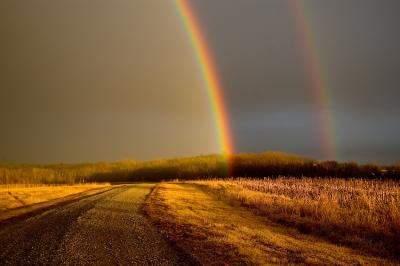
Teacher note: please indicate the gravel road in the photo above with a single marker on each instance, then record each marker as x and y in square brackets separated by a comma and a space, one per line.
[104, 229]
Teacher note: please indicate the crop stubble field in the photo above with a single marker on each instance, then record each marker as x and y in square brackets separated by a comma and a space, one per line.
[282, 220]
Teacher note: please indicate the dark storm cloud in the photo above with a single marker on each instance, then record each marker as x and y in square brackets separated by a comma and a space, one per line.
[262, 66]
[107, 80]
[98, 80]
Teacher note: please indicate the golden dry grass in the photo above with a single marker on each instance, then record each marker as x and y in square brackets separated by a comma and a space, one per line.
[16, 196]
[217, 233]
[363, 214]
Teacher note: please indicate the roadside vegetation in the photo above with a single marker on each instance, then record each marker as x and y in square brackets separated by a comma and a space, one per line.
[270, 164]
[17, 196]
[217, 230]
[361, 214]
[22, 199]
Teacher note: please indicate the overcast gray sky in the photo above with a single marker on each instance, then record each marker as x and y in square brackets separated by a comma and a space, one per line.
[110, 80]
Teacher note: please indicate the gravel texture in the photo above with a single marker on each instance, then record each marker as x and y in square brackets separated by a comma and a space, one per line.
[104, 229]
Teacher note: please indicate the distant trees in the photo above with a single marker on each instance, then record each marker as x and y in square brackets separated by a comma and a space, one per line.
[269, 164]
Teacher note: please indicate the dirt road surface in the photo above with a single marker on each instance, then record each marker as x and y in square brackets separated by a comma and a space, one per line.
[105, 229]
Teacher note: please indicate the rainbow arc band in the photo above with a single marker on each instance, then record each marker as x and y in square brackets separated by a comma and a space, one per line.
[321, 91]
[318, 79]
[210, 76]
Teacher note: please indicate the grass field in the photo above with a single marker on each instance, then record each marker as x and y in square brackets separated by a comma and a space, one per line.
[16, 196]
[361, 214]
[219, 231]
[18, 200]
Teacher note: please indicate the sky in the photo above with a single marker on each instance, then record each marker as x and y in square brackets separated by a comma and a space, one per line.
[111, 80]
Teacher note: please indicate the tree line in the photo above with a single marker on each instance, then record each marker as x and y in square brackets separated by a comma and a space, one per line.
[269, 164]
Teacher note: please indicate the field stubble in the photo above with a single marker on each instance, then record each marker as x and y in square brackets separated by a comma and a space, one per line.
[362, 214]
[217, 232]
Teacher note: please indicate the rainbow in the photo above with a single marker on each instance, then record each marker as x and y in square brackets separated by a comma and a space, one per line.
[318, 78]
[207, 66]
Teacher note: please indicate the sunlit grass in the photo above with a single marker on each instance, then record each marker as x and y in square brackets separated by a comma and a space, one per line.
[16, 196]
[363, 214]
[216, 232]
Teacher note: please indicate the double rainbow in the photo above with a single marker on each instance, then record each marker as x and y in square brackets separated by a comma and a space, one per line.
[317, 76]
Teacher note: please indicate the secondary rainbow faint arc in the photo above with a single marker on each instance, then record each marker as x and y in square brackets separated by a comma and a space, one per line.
[209, 73]
[318, 77]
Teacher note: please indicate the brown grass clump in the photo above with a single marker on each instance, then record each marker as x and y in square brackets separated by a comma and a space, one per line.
[363, 214]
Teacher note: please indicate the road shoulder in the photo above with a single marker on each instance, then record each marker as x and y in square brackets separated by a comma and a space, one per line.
[215, 232]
